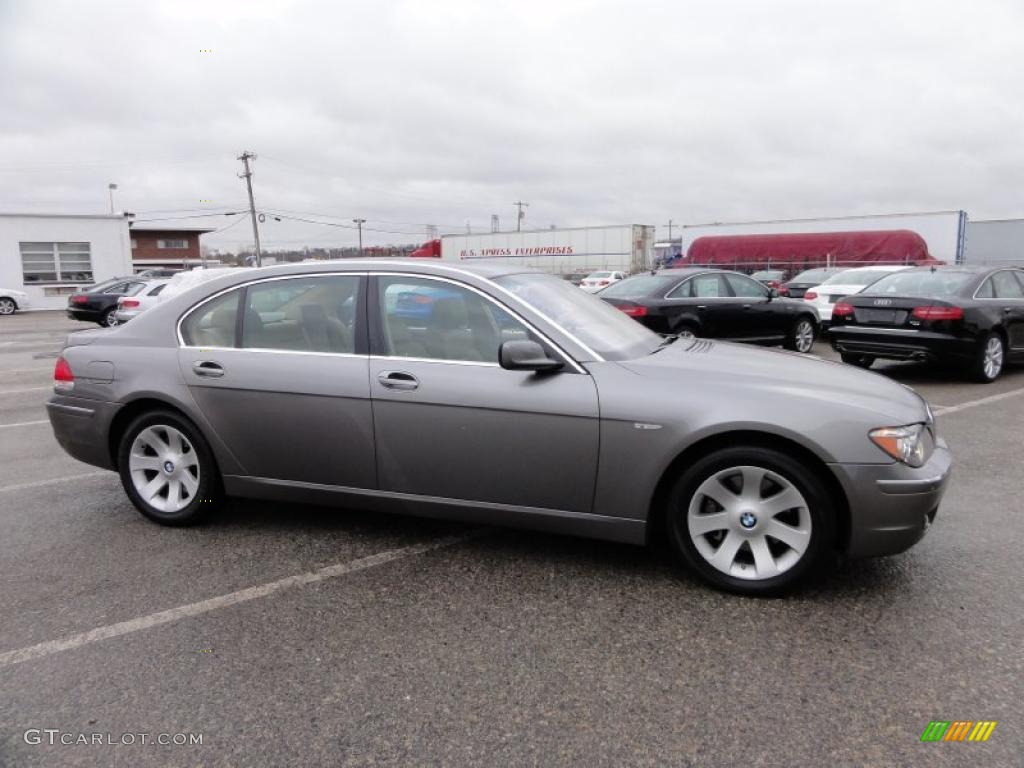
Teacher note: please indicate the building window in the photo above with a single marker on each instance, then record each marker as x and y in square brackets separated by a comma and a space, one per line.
[56, 263]
[172, 244]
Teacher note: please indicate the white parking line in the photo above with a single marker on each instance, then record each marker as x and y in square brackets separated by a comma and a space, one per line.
[26, 370]
[232, 598]
[27, 389]
[24, 424]
[55, 481]
[943, 410]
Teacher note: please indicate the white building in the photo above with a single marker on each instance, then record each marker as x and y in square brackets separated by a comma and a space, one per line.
[50, 256]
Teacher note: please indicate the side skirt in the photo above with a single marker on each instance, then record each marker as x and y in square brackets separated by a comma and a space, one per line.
[620, 529]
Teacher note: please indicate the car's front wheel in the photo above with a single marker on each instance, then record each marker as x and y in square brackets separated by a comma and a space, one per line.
[801, 335]
[167, 469]
[7, 306]
[751, 520]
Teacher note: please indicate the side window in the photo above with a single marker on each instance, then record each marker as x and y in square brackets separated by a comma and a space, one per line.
[441, 321]
[1006, 286]
[746, 288]
[213, 324]
[307, 314]
[987, 290]
[681, 291]
[708, 287]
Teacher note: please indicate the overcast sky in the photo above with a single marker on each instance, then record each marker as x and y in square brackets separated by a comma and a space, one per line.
[443, 112]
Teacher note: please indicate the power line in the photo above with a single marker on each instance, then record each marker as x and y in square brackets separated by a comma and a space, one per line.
[194, 216]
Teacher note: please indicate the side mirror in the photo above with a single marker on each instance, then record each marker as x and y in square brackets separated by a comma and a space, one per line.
[526, 356]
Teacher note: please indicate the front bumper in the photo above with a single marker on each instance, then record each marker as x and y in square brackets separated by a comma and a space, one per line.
[892, 505]
[82, 426]
[900, 343]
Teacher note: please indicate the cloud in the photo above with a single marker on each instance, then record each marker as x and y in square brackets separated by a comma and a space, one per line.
[443, 112]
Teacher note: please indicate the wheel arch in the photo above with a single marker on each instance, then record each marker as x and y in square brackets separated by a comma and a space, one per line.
[132, 410]
[746, 438]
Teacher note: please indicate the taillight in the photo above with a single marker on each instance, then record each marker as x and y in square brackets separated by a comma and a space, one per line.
[842, 309]
[603, 282]
[78, 299]
[810, 295]
[938, 313]
[63, 378]
[634, 310]
[783, 290]
[128, 303]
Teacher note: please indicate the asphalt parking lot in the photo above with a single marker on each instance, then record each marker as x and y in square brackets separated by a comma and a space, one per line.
[411, 642]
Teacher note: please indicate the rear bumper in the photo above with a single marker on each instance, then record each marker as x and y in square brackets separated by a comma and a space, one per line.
[81, 427]
[892, 505]
[900, 343]
[124, 315]
[89, 315]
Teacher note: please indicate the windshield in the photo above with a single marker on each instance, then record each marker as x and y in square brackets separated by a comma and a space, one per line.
[857, 277]
[812, 276]
[641, 286]
[926, 284]
[600, 326]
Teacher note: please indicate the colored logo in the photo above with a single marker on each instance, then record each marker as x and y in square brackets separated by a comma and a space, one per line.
[958, 730]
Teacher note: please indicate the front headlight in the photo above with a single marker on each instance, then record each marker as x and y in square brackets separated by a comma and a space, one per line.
[910, 444]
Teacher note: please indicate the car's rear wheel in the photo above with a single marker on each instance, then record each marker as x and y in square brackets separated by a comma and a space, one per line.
[108, 320]
[990, 358]
[167, 469]
[751, 520]
[861, 361]
[7, 306]
[801, 335]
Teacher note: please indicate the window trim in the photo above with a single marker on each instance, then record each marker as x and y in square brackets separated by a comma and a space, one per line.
[374, 317]
[359, 339]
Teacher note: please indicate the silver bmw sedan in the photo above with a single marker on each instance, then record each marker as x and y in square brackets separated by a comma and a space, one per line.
[501, 397]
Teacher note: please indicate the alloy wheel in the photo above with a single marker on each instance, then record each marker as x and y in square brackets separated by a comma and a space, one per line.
[992, 362]
[749, 523]
[6, 307]
[804, 336]
[164, 468]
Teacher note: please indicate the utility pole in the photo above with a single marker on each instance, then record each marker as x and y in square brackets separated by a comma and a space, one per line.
[245, 157]
[519, 204]
[494, 222]
[669, 225]
[359, 223]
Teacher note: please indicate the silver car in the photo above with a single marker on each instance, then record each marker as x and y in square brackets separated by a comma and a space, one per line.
[497, 396]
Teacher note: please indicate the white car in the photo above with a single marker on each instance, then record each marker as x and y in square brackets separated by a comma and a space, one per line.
[598, 281]
[131, 306]
[845, 283]
[12, 300]
[185, 280]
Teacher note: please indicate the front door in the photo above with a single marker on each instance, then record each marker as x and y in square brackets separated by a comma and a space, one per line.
[285, 384]
[451, 423]
[752, 314]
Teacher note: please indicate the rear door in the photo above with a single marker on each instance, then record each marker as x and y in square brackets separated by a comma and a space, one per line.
[708, 297]
[451, 423]
[280, 369]
[1009, 290]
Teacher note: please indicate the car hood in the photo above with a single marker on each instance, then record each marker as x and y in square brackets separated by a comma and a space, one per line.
[769, 376]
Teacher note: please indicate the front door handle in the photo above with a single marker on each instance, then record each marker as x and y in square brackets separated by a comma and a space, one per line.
[207, 368]
[398, 380]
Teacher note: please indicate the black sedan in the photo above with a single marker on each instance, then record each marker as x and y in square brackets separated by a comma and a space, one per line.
[969, 316]
[717, 304]
[99, 303]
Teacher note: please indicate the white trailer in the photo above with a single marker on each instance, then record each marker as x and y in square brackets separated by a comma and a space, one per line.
[626, 247]
[943, 231]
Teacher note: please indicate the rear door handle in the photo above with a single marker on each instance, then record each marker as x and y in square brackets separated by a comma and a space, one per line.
[398, 380]
[207, 368]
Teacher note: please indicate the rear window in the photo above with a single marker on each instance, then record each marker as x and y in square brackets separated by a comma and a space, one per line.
[597, 275]
[935, 285]
[857, 277]
[640, 286]
[813, 276]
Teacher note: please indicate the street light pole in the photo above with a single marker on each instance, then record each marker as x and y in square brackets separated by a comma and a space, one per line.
[359, 223]
[111, 187]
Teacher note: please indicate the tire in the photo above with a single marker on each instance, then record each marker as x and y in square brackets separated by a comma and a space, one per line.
[685, 331]
[741, 546]
[108, 320]
[801, 335]
[990, 359]
[861, 361]
[147, 448]
[7, 306]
